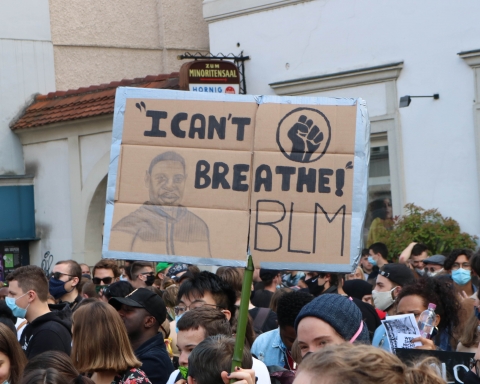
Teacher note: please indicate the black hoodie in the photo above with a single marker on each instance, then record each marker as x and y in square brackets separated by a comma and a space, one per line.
[49, 332]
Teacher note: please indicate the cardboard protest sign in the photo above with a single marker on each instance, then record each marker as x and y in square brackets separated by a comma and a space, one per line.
[199, 178]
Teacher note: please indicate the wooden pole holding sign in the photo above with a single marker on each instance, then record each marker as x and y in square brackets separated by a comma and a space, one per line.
[243, 316]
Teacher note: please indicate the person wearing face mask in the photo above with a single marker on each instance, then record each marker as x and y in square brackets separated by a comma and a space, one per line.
[378, 254]
[143, 274]
[414, 256]
[434, 265]
[457, 264]
[27, 298]
[390, 281]
[64, 283]
[319, 283]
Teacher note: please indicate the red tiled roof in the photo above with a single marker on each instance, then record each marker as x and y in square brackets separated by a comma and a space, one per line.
[84, 102]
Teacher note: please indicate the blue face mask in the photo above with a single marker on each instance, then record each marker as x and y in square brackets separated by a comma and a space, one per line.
[56, 288]
[178, 317]
[372, 261]
[16, 310]
[461, 276]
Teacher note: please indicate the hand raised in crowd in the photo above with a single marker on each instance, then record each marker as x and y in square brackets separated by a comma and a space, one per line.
[242, 376]
[463, 296]
[426, 343]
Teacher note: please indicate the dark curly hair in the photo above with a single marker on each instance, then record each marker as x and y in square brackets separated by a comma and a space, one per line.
[442, 294]
[289, 306]
[450, 260]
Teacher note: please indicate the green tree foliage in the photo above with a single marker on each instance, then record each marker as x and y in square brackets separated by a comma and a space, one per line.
[440, 234]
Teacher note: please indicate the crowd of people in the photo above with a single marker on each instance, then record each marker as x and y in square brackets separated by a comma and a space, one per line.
[139, 322]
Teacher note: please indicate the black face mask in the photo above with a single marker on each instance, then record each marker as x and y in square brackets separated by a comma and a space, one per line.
[313, 286]
[150, 280]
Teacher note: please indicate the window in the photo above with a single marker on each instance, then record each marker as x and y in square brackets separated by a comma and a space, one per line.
[379, 189]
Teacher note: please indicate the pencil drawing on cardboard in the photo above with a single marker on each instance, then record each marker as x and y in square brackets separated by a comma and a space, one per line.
[162, 225]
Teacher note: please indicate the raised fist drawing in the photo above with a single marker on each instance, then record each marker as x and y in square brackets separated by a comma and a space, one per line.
[305, 138]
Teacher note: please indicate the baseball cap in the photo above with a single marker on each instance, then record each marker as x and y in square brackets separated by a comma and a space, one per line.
[162, 266]
[435, 259]
[397, 273]
[177, 268]
[268, 274]
[143, 298]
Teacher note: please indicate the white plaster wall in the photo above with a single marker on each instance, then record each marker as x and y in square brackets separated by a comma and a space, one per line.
[26, 67]
[48, 161]
[323, 37]
[92, 149]
[374, 93]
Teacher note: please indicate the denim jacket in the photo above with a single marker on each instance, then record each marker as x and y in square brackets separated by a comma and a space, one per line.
[269, 348]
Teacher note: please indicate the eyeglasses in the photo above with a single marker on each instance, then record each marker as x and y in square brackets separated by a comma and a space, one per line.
[58, 275]
[105, 280]
[183, 308]
[458, 266]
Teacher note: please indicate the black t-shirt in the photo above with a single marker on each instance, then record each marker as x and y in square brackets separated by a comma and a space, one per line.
[270, 322]
[262, 298]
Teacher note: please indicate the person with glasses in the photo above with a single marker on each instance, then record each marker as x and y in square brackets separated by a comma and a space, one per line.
[143, 274]
[434, 265]
[205, 289]
[457, 264]
[27, 298]
[105, 272]
[64, 284]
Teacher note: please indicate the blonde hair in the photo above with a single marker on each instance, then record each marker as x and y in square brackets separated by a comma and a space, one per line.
[100, 341]
[363, 364]
[358, 270]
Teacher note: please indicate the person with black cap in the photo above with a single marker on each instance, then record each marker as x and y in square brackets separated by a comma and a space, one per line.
[390, 281]
[143, 312]
[270, 278]
[177, 270]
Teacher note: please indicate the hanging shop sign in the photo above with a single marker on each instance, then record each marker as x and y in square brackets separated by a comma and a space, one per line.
[210, 76]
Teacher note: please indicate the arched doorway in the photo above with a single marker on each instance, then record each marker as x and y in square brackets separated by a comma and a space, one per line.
[94, 224]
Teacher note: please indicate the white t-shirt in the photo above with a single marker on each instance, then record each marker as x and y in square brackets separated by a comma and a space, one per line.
[261, 372]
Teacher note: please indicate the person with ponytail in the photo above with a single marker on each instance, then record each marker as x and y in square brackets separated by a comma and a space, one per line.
[349, 363]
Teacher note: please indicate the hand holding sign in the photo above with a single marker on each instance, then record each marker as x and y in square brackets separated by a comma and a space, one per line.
[305, 138]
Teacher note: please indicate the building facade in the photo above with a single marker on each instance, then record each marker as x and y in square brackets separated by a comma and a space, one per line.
[427, 154]
[62, 154]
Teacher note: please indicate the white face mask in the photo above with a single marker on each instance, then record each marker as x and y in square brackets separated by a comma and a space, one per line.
[420, 271]
[383, 300]
[432, 274]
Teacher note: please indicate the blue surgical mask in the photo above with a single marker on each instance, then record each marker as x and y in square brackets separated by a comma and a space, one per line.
[461, 276]
[16, 310]
[178, 317]
[123, 278]
[372, 261]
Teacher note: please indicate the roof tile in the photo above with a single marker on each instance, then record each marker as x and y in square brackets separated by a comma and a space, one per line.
[94, 100]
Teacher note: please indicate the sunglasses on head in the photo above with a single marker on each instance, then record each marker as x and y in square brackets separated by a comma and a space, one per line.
[105, 280]
[58, 275]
